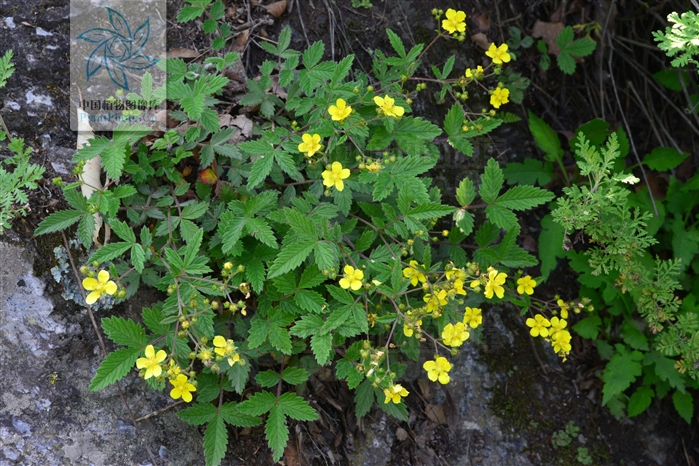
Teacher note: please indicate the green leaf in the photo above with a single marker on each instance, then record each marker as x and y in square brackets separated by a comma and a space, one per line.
[290, 257]
[321, 346]
[309, 300]
[466, 192]
[198, 414]
[123, 231]
[295, 375]
[258, 404]
[664, 158]
[113, 158]
[234, 417]
[588, 327]
[188, 13]
[110, 251]
[296, 407]
[523, 197]
[640, 401]
[114, 367]
[363, 398]
[621, 371]
[267, 379]
[152, 318]
[530, 172]
[581, 47]
[633, 337]
[261, 168]
[422, 129]
[307, 325]
[194, 210]
[454, 120]
[230, 228]
[684, 404]
[313, 54]
[500, 216]
[565, 37]
[428, 211]
[545, 137]
[396, 43]
[492, 180]
[665, 369]
[566, 62]
[58, 221]
[215, 441]
[276, 432]
[280, 339]
[550, 244]
[124, 332]
[464, 221]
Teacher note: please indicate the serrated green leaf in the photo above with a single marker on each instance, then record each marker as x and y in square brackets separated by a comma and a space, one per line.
[309, 300]
[215, 441]
[565, 37]
[588, 327]
[114, 367]
[545, 137]
[684, 404]
[664, 158]
[124, 332]
[280, 339]
[454, 120]
[58, 221]
[321, 346]
[566, 62]
[267, 378]
[261, 168]
[523, 197]
[307, 325]
[396, 43]
[621, 371]
[113, 158]
[530, 172]
[230, 413]
[550, 244]
[492, 180]
[198, 414]
[313, 54]
[258, 404]
[640, 401]
[581, 47]
[363, 398]
[290, 257]
[428, 211]
[276, 432]
[464, 221]
[500, 216]
[466, 192]
[110, 251]
[123, 231]
[296, 407]
[295, 375]
[86, 228]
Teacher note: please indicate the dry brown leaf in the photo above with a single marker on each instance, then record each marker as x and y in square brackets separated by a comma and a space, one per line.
[241, 41]
[425, 389]
[243, 123]
[481, 40]
[182, 53]
[277, 9]
[548, 32]
[435, 414]
[291, 455]
[482, 22]
[277, 89]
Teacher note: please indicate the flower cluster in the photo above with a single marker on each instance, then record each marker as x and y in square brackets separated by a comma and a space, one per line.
[553, 330]
[455, 335]
[394, 393]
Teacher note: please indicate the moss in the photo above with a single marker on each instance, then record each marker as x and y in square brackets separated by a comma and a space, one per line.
[45, 259]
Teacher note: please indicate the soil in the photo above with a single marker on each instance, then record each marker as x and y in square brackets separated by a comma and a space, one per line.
[535, 395]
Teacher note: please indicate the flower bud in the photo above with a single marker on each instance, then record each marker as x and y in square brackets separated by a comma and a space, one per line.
[84, 270]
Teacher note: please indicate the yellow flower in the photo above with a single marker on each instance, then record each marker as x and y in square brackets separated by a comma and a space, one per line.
[474, 74]
[539, 326]
[456, 274]
[335, 175]
[564, 308]
[434, 301]
[353, 278]
[386, 104]
[459, 287]
[455, 335]
[498, 54]
[395, 393]
[437, 370]
[226, 349]
[151, 363]
[454, 22]
[103, 285]
[473, 317]
[557, 325]
[182, 388]
[413, 274]
[526, 285]
[500, 96]
[310, 144]
[561, 343]
[494, 284]
[205, 354]
[173, 369]
[339, 111]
